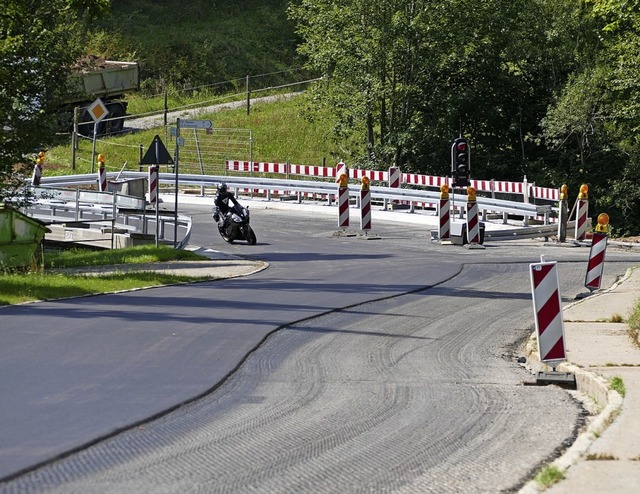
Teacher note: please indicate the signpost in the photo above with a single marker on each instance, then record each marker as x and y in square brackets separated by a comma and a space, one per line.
[196, 124]
[97, 111]
[155, 156]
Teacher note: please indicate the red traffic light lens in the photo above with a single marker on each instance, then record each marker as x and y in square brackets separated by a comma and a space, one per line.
[462, 146]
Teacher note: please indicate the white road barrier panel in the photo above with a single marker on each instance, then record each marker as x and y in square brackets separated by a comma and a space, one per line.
[595, 268]
[341, 169]
[102, 174]
[365, 205]
[37, 175]
[343, 201]
[582, 213]
[153, 184]
[394, 177]
[547, 307]
[444, 208]
[473, 224]
[102, 179]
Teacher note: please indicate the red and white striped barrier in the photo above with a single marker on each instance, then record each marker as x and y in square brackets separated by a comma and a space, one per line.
[341, 169]
[582, 223]
[312, 171]
[37, 175]
[547, 307]
[595, 266]
[378, 176]
[153, 185]
[444, 208]
[102, 179]
[394, 177]
[365, 206]
[424, 180]
[343, 201]
[521, 188]
[473, 225]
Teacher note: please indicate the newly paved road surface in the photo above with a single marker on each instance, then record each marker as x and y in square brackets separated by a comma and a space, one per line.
[412, 393]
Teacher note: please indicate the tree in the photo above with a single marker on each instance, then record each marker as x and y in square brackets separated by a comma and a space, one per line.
[594, 121]
[39, 39]
[410, 75]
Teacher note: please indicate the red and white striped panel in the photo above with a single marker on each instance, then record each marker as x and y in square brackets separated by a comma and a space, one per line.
[582, 212]
[425, 180]
[545, 193]
[239, 166]
[256, 167]
[595, 266]
[547, 306]
[313, 171]
[365, 210]
[483, 185]
[341, 168]
[102, 179]
[509, 187]
[343, 207]
[271, 168]
[394, 177]
[444, 231]
[372, 175]
[153, 185]
[473, 226]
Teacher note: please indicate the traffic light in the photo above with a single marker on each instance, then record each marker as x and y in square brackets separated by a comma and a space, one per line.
[460, 162]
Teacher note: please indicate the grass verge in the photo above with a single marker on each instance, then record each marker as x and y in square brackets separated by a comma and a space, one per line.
[17, 288]
[617, 384]
[549, 475]
[634, 324]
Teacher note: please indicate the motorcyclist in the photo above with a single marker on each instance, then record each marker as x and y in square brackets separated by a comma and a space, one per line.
[221, 206]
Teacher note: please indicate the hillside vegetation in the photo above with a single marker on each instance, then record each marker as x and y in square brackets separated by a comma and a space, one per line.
[199, 42]
[543, 89]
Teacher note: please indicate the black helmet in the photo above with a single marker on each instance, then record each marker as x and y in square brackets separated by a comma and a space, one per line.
[222, 188]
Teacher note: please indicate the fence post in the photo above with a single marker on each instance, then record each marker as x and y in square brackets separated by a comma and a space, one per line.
[248, 95]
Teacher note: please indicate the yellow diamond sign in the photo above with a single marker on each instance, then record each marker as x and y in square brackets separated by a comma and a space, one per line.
[97, 110]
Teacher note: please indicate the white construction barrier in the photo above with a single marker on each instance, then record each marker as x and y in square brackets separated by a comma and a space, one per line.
[547, 307]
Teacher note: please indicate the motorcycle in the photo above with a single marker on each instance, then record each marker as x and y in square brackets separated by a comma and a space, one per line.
[236, 225]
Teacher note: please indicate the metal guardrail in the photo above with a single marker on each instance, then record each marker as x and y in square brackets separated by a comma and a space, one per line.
[322, 188]
[329, 189]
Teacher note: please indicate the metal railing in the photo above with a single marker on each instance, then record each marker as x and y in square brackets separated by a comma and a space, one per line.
[100, 210]
[321, 188]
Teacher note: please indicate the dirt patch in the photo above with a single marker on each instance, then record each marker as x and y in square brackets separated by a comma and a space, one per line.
[90, 63]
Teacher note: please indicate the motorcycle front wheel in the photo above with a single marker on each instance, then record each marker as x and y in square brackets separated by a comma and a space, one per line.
[224, 236]
[249, 235]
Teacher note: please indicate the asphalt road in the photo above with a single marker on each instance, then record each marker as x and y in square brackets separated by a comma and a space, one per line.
[407, 381]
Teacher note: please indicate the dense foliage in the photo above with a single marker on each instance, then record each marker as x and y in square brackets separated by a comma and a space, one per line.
[546, 89]
[199, 42]
[39, 39]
